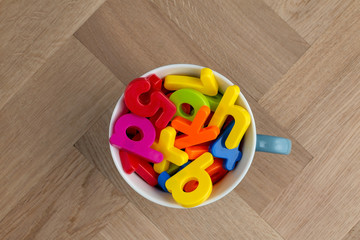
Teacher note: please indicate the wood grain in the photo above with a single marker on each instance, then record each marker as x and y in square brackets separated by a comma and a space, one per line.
[31, 31]
[309, 18]
[323, 200]
[221, 39]
[130, 44]
[46, 117]
[130, 223]
[71, 201]
[354, 233]
[236, 35]
[329, 59]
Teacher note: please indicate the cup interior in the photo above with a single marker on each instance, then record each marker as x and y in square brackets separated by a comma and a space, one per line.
[220, 189]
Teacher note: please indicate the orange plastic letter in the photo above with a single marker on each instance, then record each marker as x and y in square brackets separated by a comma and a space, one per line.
[195, 134]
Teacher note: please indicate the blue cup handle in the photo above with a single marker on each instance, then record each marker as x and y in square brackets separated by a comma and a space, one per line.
[272, 144]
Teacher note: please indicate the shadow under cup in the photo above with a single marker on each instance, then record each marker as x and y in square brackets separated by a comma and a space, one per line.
[225, 185]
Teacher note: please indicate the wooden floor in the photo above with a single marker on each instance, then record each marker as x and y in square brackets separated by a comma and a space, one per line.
[64, 64]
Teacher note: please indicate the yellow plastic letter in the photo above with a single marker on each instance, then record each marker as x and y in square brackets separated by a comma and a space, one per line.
[207, 83]
[227, 107]
[194, 171]
[165, 145]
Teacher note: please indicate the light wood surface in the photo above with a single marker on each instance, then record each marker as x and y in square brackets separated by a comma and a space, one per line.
[78, 207]
[131, 219]
[326, 123]
[222, 38]
[31, 31]
[354, 233]
[309, 18]
[64, 64]
[36, 137]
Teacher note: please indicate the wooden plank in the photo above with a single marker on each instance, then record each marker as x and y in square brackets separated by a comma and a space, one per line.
[309, 18]
[246, 38]
[238, 38]
[316, 74]
[72, 201]
[130, 44]
[31, 31]
[354, 233]
[130, 223]
[46, 117]
[323, 201]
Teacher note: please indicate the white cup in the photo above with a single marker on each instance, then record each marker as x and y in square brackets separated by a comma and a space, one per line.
[225, 185]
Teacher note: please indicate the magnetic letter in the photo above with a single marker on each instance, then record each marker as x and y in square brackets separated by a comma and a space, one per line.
[143, 97]
[170, 153]
[227, 107]
[207, 83]
[197, 150]
[132, 163]
[195, 133]
[141, 147]
[216, 172]
[191, 97]
[218, 149]
[194, 171]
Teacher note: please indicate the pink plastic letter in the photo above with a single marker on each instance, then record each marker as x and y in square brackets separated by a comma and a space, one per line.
[141, 147]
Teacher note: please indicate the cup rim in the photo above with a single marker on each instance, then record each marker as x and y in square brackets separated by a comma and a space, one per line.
[115, 152]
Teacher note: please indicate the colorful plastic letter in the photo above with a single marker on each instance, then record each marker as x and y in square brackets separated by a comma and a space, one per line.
[165, 145]
[207, 83]
[216, 172]
[195, 133]
[173, 168]
[184, 165]
[186, 108]
[197, 150]
[132, 163]
[214, 101]
[218, 149]
[140, 147]
[191, 97]
[194, 171]
[242, 117]
[143, 97]
[163, 177]
[126, 158]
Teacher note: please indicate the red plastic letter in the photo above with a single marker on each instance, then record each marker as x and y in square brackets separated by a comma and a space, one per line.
[143, 97]
[132, 163]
